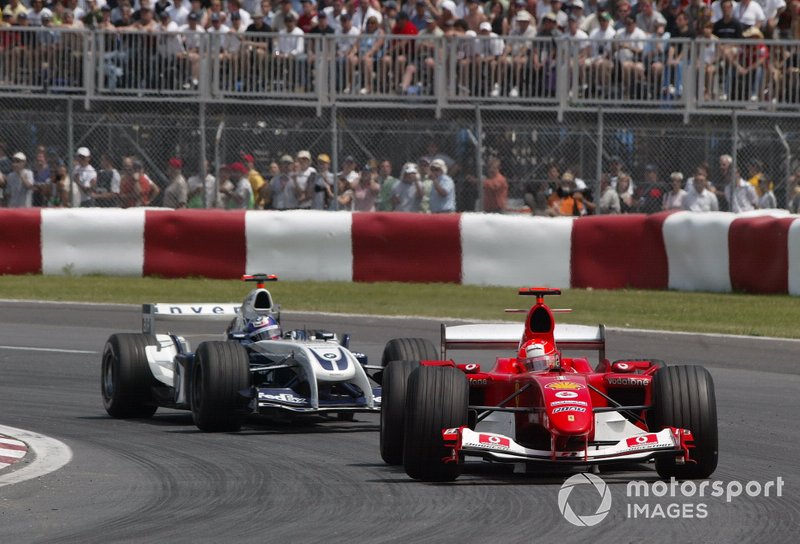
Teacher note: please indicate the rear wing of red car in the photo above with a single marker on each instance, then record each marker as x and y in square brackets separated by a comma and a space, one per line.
[507, 336]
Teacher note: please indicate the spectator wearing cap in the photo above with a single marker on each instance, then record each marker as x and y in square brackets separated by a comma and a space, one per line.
[516, 57]
[389, 16]
[239, 193]
[407, 195]
[176, 194]
[36, 13]
[169, 45]
[576, 9]
[304, 180]
[349, 170]
[489, 48]
[106, 191]
[366, 189]
[84, 174]
[443, 189]
[282, 195]
[219, 35]
[258, 46]
[13, 10]
[321, 29]
[18, 184]
[256, 180]
[192, 34]
[581, 50]
[545, 55]
[346, 53]
[418, 17]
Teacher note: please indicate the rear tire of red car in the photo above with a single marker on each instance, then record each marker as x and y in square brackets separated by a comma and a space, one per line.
[409, 349]
[683, 396]
[437, 399]
[221, 371]
[393, 409]
[126, 379]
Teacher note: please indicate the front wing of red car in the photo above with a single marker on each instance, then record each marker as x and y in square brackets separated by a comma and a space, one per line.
[464, 441]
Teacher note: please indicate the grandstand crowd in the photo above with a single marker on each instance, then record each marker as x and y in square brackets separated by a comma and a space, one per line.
[504, 47]
[432, 183]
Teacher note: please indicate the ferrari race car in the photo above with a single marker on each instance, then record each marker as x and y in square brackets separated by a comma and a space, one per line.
[540, 406]
[257, 369]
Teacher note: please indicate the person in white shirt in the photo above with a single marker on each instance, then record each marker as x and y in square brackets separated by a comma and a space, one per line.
[178, 12]
[673, 200]
[290, 52]
[741, 196]
[749, 13]
[517, 51]
[346, 52]
[84, 174]
[362, 14]
[304, 180]
[701, 199]
[767, 200]
[601, 61]
[192, 40]
[629, 45]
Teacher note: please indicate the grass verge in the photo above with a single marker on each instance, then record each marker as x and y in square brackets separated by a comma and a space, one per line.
[730, 313]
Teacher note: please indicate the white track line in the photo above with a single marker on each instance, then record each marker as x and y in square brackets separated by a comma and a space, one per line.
[49, 455]
[53, 350]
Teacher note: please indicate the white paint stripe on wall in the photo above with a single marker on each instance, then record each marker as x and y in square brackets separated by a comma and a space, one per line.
[697, 250]
[300, 244]
[794, 257]
[93, 241]
[515, 251]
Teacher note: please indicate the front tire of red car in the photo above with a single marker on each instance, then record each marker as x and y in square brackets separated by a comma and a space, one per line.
[437, 399]
[683, 396]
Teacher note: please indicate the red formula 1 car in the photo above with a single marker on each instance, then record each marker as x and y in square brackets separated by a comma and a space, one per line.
[540, 406]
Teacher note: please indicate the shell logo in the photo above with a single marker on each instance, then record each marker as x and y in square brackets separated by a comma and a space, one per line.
[563, 385]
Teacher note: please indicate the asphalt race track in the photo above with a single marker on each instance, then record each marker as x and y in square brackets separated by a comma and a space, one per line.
[322, 480]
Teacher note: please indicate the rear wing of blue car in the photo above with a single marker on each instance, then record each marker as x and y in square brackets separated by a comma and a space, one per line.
[204, 311]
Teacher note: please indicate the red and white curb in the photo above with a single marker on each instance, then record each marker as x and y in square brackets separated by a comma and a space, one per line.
[35, 454]
[11, 451]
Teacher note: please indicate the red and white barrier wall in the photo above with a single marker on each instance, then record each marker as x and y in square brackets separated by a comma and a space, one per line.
[758, 252]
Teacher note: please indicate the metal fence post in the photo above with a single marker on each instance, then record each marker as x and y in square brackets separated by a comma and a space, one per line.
[335, 157]
[734, 151]
[598, 171]
[70, 147]
[479, 154]
[203, 158]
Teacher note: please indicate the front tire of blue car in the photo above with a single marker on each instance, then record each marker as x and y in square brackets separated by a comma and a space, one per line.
[126, 379]
[221, 372]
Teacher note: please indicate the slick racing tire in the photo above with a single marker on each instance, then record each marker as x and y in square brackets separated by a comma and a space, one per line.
[393, 406]
[221, 370]
[437, 399]
[409, 349]
[683, 396]
[126, 378]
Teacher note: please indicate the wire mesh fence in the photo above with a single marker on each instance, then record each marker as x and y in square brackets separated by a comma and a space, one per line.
[533, 146]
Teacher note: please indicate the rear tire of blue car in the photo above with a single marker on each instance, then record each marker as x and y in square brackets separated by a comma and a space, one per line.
[437, 399]
[220, 374]
[126, 378]
[393, 407]
[409, 349]
[683, 396]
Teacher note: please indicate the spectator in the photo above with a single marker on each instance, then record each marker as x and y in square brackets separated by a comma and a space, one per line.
[362, 14]
[568, 199]
[176, 195]
[545, 54]
[655, 56]
[424, 169]
[609, 198]
[627, 202]
[418, 18]
[346, 53]
[370, 51]
[516, 57]
[750, 14]
[650, 191]
[536, 197]
[648, 18]
[344, 197]
[602, 63]
[13, 10]
[407, 195]
[741, 196]
[240, 194]
[755, 173]
[495, 187]
[474, 16]
[752, 66]
[489, 47]
[580, 51]
[36, 13]
[282, 195]
[64, 193]
[84, 175]
[793, 193]
[178, 12]
[197, 198]
[389, 16]
[304, 180]
[673, 200]
[366, 191]
[500, 25]
[136, 187]
[18, 184]
[425, 51]
[767, 200]
[700, 199]
[334, 13]
[235, 10]
[41, 180]
[255, 179]
[400, 52]
[629, 45]
[106, 192]
[323, 183]
[387, 183]
[349, 170]
[308, 16]
[290, 55]
[321, 29]
[443, 193]
[192, 35]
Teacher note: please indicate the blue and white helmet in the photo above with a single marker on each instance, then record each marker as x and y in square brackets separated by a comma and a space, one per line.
[263, 328]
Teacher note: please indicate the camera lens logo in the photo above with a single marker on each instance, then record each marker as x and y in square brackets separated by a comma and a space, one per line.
[602, 490]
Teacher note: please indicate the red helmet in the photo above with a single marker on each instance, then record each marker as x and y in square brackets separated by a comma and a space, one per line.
[538, 355]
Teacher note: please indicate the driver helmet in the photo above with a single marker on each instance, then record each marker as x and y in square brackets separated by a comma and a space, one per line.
[540, 356]
[263, 328]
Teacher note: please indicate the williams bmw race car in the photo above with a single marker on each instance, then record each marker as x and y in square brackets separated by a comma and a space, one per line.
[258, 369]
[539, 406]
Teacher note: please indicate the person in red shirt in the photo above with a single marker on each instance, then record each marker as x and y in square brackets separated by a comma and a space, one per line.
[400, 52]
[495, 187]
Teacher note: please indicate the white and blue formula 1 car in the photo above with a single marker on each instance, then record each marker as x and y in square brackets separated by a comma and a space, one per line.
[257, 369]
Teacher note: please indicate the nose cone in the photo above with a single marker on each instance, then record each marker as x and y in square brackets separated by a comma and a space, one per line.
[567, 404]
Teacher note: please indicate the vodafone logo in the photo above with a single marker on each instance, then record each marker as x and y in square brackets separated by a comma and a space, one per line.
[566, 394]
